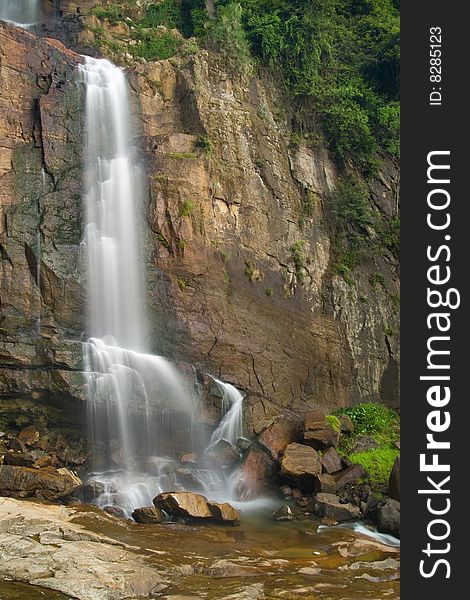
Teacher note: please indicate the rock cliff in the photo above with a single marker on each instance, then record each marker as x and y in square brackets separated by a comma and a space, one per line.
[240, 243]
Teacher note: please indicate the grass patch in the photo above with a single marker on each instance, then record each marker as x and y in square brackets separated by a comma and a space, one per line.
[186, 208]
[181, 155]
[378, 463]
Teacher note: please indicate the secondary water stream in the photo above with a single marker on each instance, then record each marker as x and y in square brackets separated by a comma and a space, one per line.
[22, 13]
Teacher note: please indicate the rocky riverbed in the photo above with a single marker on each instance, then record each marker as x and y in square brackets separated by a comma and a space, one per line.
[87, 554]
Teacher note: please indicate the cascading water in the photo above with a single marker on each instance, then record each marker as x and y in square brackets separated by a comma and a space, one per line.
[141, 410]
[131, 391]
[23, 13]
[230, 427]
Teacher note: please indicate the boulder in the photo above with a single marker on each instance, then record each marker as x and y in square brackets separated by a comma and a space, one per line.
[394, 481]
[256, 470]
[387, 517]
[28, 436]
[47, 483]
[345, 424]
[329, 506]
[325, 483]
[150, 515]
[285, 513]
[191, 457]
[243, 444]
[114, 511]
[301, 463]
[224, 513]
[286, 492]
[318, 433]
[223, 454]
[364, 444]
[350, 475]
[186, 505]
[331, 461]
[18, 459]
[284, 430]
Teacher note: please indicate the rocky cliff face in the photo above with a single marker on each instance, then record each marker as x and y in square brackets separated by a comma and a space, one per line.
[239, 272]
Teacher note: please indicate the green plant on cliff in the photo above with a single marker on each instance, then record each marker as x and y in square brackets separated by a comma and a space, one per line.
[165, 12]
[154, 45]
[333, 422]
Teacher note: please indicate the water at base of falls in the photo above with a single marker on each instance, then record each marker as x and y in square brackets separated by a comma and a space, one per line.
[142, 411]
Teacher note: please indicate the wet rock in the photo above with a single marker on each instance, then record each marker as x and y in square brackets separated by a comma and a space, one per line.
[191, 457]
[48, 483]
[187, 505]
[331, 461]
[329, 506]
[224, 512]
[349, 475]
[285, 513]
[188, 480]
[243, 444]
[364, 444]
[296, 493]
[18, 459]
[317, 432]
[286, 492]
[346, 462]
[46, 460]
[223, 454]
[148, 515]
[256, 470]
[115, 511]
[284, 430]
[387, 516]
[394, 481]
[345, 423]
[93, 489]
[28, 436]
[325, 483]
[301, 463]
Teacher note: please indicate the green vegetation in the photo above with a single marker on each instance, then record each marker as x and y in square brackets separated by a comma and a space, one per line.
[298, 259]
[203, 144]
[337, 59]
[378, 464]
[383, 425]
[181, 155]
[269, 292]
[333, 422]
[186, 208]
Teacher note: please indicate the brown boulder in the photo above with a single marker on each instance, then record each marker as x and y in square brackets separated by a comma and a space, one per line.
[256, 470]
[28, 436]
[301, 463]
[345, 424]
[325, 483]
[365, 443]
[331, 461]
[349, 475]
[183, 504]
[317, 432]
[394, 481]
[48, 483]
[284, 430]
[329, 506]
[186, 505]
[224, 512]
[223, 454]
[18, 459]
[150, 515]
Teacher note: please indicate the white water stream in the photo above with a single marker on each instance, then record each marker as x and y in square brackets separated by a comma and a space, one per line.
[23, 13]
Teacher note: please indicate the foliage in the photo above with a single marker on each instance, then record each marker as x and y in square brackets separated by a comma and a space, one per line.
[225, 33]
[186, 208]
[378, 463]
[155, 45]
[333, 422]
[372, 418]
[165, 12]
[112, 12]
[204, 144]
[351, 203]
[297, 257]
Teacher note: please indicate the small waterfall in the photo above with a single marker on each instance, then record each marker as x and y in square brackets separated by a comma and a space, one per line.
[231, 426]
[22, 13]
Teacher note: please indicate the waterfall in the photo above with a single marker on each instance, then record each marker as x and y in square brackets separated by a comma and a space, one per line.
[230, 427]
[23, 13]
[141, 409]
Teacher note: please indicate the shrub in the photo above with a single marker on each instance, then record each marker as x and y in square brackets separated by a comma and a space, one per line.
[225, 33]
[371, 418]
[113, 13]
[351, 204]
[166, 12]
[186, 208]
[155, 45]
